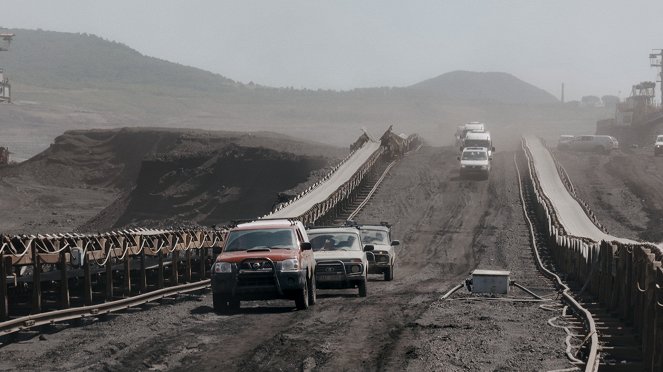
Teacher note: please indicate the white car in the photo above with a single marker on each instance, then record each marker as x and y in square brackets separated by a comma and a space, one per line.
[658, 146]
[596, 143]
[475, 161]
[340, 258]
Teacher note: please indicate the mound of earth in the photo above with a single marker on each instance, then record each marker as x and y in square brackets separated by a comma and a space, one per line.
[210, 188]
[93, 180]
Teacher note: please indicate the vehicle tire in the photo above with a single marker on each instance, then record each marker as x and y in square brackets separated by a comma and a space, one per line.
[362, 288]
[389, 274]
[301, 299]
[312, 293]
[220, 303]
[234, 304]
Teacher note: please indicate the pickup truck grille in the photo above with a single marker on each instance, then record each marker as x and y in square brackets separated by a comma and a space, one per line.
[256, 273]
[329, 268]
[256, 280]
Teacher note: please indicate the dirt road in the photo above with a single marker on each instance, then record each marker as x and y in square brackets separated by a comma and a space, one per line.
[447, 227]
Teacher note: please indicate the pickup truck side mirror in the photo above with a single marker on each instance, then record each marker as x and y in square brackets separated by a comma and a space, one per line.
[395, 242]
[369, 247]
[493, 148]
[461, 149]
[305, 246]
[457, 157]
[490, 158]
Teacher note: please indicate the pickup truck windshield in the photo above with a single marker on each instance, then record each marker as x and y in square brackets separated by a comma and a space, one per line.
[331, 241]
[374, 237]
[242, 240]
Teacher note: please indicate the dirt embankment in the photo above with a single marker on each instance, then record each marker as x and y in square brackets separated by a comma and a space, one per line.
[93, 180]
[624, 189]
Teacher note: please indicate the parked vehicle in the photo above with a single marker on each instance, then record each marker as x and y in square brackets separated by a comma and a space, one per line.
[564, 141]
[596, 143]
[475, 161]
[462, 130]
[658, 145]
[264, 259]
[383, 258]
[478, 139]
[340, 258]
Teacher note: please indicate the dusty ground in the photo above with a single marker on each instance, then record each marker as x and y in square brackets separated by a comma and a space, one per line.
[447, 226]
[624, 189]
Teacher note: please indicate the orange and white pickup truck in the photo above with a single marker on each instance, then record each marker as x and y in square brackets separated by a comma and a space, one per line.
[263, 260]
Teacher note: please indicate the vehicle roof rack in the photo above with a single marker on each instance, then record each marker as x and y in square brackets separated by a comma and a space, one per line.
[355, 223]
[331, 226]
[234, 223]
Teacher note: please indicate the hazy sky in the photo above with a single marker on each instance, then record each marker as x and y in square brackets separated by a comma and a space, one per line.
[594, 46]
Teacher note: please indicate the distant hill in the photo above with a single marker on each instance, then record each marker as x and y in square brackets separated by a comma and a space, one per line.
[494, 87]
[62, 60]
[59, 60]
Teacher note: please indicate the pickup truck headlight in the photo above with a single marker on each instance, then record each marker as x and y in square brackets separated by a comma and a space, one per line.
[290, 265]
[484, 167]
[463, 166]
[222, 267]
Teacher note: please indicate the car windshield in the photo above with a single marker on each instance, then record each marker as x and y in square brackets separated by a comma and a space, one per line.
[242, 240]
[334, 241]
[374, 237]
[659, 139]
[477, 143]
[474, 155]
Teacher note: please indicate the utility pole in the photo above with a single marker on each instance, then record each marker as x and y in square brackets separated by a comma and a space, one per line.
[5, 87]
[656, 60]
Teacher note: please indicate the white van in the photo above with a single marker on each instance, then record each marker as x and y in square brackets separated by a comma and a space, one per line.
[475, 161]
[478, 139]
[462, 130]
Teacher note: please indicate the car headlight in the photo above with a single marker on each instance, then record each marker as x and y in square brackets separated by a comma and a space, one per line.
[222, 267]
[355, 269]
[484, 167]
[463, 166]
[290, 265]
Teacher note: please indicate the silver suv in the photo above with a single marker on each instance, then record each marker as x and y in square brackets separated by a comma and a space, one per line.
[596, 143]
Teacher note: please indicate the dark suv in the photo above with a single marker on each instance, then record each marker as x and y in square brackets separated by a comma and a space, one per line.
[262, 260]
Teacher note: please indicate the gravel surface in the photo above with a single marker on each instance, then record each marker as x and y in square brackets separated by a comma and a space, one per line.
[447, 227]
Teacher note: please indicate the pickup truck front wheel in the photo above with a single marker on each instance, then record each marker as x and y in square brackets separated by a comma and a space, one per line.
[301, 298]
[362, 288]
[220, 303]
[389, 273]
[312, 293]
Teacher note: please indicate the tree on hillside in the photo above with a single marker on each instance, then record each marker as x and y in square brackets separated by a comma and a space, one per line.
[590, 101]
[610, 101]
